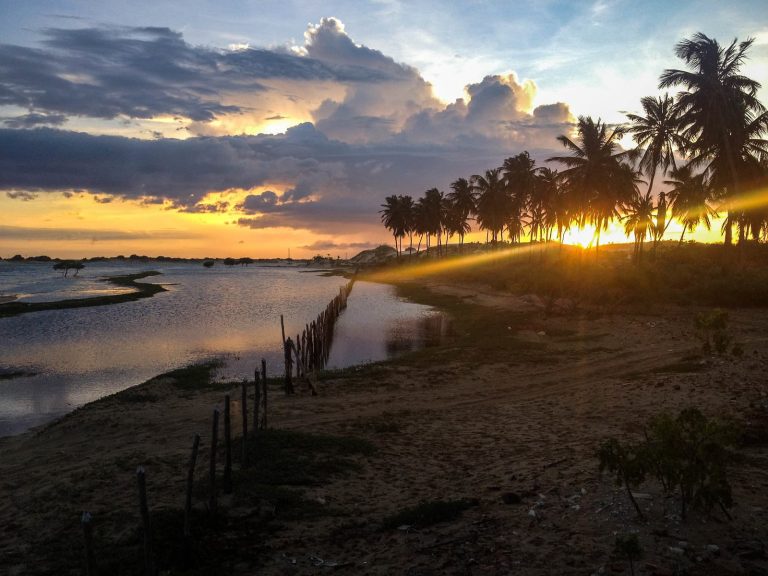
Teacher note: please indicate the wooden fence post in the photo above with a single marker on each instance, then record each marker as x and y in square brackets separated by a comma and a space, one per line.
[212, 471]
[190, 485]
[149, 568]
[244, 409]
[227, 448]
[264, 386]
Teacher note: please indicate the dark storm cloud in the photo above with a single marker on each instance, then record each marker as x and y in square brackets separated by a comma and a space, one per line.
[152, 71]
[33, 119]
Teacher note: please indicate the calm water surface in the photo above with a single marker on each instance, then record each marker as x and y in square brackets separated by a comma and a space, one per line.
[80, 355]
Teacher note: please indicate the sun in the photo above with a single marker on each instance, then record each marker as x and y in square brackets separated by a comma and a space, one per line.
[583, 236]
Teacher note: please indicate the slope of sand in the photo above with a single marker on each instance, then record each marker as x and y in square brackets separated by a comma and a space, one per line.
[520, 413]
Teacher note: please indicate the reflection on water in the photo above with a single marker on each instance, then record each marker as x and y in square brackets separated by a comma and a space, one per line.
[79, 355]
[377, 325]
[416, 333]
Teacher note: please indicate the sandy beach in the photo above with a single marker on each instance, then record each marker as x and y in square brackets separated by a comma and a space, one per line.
[507, 415]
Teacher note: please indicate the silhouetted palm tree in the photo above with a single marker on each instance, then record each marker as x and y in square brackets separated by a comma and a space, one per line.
[656, 134]
[716, 109]
[434, 215]
[520, 181]
[638, 221]
[394, 218]
[593, 171]
[690, 197]
[462, 198]
[493, 202]
[409, 223]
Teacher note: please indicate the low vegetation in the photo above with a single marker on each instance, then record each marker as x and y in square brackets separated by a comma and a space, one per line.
[688, 455]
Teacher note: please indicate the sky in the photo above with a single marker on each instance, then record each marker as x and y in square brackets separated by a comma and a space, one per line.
[261, 128]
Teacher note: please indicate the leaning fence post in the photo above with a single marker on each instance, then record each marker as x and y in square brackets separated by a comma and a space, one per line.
[214, 442]
[264, 386]
[190, 482]
[227, 448]
[149, 569]
[85, 520]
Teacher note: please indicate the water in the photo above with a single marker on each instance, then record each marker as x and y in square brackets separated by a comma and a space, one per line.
[79, 355]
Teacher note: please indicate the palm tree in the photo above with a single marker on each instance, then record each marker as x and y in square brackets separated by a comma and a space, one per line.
[393, 217]
[638, 221]
[690, 196]
[593, 170]
[520, 181]
[463, 199]
[434, 215]
[716, 110]
[455, 222]
[656, 134]
[409, 224]
[493, 202]
[554, 201]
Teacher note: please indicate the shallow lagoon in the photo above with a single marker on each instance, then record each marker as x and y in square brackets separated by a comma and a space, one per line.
[80, 355]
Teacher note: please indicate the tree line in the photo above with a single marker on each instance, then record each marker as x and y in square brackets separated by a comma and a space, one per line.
[707, 142]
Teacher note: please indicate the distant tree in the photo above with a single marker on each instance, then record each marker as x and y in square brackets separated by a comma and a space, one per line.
[68, 265]
[245, 261]
[230, 261]
[208, 263]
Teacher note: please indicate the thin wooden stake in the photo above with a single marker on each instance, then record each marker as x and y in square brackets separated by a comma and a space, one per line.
[149, 568]
[282, 329]
[227, 448]
[264, 386]
[244, 408]
[190, 483]
[256, 399]
[85, 520]
[212, 472]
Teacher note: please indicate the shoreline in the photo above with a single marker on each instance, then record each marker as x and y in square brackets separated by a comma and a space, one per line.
[141, 290]
[514, 403]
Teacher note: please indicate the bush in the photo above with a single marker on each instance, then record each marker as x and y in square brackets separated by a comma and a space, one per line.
[712, 328]
[687, 454]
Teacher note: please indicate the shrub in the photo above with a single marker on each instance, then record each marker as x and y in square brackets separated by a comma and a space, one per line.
[712, 328]
[687, 454]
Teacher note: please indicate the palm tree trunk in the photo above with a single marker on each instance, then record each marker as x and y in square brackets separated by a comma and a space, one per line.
[681, 236]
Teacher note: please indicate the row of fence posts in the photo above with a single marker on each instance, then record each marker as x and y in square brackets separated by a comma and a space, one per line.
[259, 423]
[310, 351]
[312, 347]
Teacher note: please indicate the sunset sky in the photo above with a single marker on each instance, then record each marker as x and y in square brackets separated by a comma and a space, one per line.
[230, 128]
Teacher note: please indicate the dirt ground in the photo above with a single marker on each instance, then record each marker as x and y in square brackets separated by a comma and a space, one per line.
[510, 420]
